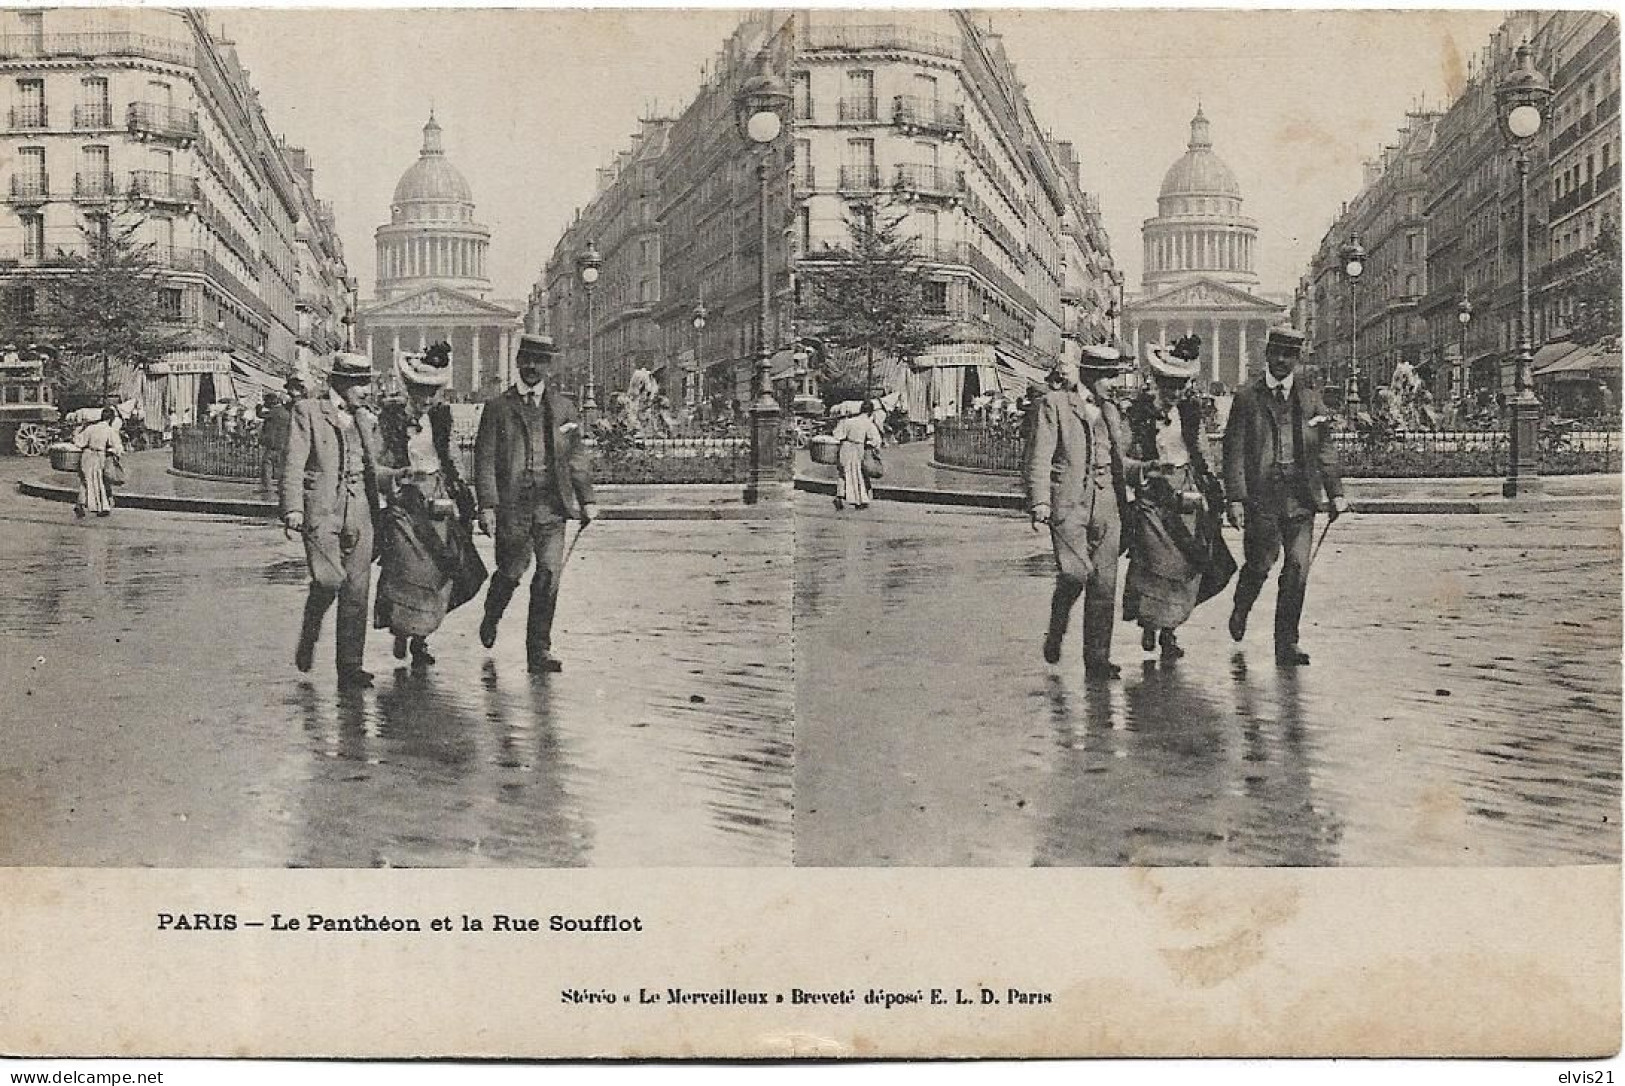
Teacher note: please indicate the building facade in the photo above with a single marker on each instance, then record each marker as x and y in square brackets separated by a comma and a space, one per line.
[1199, 273]
[1389, 216]
[1467, 181]
[147, 114]
[433, 279]
[919, 115]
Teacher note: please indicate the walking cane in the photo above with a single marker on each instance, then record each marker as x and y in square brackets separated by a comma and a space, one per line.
[569, 550]
[1322, 539]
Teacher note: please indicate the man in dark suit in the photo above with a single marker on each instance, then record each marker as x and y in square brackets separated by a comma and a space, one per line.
[1278, 463]
[1076, 471]
[329, 494]
[531, 475]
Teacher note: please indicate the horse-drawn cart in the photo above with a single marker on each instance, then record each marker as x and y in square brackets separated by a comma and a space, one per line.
[28, 418]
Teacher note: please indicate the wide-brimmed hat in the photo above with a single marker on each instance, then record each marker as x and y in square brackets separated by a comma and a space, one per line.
[532, 343]
[1164, 363]
[431, 368]
[350, 367]
[1102, 358]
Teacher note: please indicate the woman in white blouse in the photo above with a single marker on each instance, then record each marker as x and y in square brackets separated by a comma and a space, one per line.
[98, 443]
[856, 433]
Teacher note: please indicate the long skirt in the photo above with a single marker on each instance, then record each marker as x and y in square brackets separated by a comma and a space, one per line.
[1164, 575]
[415, 579]
[95, 496]
[852, 485]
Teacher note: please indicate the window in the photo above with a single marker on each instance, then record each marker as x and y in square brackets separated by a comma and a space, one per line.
[33, 30]
[804, 173]
[33, 236]
[804, 228]
[936, 298]
[801, 95]
[95, 179]
[30, 104]
[94, 109]
[860, 96]
[20, 301]
[169, 301]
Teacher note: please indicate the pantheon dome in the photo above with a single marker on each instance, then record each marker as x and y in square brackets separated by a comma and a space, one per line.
[431, 236]
[1199, 231]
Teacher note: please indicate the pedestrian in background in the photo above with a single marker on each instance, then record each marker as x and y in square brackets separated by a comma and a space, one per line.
[329, 495]
[429, 564]
[857, 434]
[1076, 472]
[1278, 463]
[1177, 556]
[100, 444]
[273, 440]
[531, 474]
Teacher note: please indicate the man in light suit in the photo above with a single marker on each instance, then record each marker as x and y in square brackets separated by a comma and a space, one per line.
[531, 474]
[1278, 463]
[329, 494]
[1076, 471]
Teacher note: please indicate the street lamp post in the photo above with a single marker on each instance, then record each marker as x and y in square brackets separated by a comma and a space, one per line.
[587, 264]
[700, 313]
[759, 109]
[1520, 104]
[1352, 255]
[1458, 379]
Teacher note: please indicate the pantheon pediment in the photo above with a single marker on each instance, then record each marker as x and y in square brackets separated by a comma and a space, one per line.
[1209, 296]
[438, 302]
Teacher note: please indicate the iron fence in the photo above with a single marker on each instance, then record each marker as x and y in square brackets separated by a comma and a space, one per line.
[982, 446]
[205, 451]
[998, 446]
[686, 455]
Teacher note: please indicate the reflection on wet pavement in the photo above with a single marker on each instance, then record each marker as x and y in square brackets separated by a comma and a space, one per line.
[1462, 706]
[153, 717]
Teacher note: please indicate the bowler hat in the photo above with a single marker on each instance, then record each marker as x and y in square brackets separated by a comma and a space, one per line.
[1284, 338]
[530, 343]
[350, 367]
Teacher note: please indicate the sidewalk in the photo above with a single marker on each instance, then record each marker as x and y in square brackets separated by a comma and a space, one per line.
[912, 476]
[153, 486]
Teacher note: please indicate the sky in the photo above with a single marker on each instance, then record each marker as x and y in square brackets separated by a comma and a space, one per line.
[533, 101]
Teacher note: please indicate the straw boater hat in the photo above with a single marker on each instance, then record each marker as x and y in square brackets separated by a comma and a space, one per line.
[1102, 357]
[350, 367]
[432, 368]
[530, 343]
[1284, 338]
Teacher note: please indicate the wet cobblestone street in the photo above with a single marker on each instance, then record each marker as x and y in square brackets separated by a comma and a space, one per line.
[1462, 706]
[152, 715]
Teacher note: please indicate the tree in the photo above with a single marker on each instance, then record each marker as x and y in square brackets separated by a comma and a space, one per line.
[107, 304]
[867, 297]
[1597, 288]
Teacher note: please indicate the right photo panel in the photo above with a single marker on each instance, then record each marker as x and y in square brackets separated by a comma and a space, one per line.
[1211, 441]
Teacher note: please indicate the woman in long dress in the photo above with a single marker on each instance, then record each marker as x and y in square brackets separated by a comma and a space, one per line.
[855, 433]
[426, 545]
[1177, 557]
[97, 442]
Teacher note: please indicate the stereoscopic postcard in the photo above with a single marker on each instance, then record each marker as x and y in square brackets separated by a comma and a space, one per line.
[682, 533]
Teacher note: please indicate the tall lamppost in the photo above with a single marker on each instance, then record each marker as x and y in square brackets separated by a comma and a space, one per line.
[759, 109]
[700, 313]
[1458, 379]
[1520, 104]
[1352, 255]
[587, 264]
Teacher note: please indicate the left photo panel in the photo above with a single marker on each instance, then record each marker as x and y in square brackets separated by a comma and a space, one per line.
[398, 466]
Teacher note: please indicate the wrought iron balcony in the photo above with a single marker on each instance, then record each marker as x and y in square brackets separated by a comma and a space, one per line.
[943, 252]
[110, 43]
[919, 114]
[933, 182]
[823, 35]
[858, 109]
[804, 179]
[859, 178]
[92, 117]
[34, 116]
[163, 188]
[30, 188]
[165, 122]
[93, 187]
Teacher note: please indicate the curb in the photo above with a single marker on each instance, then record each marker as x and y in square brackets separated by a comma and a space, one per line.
[248, 507]
[982, 499]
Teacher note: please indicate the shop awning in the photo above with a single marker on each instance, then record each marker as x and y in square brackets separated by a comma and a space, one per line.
[1552, 352]
[1578, 365]
[254, 377]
